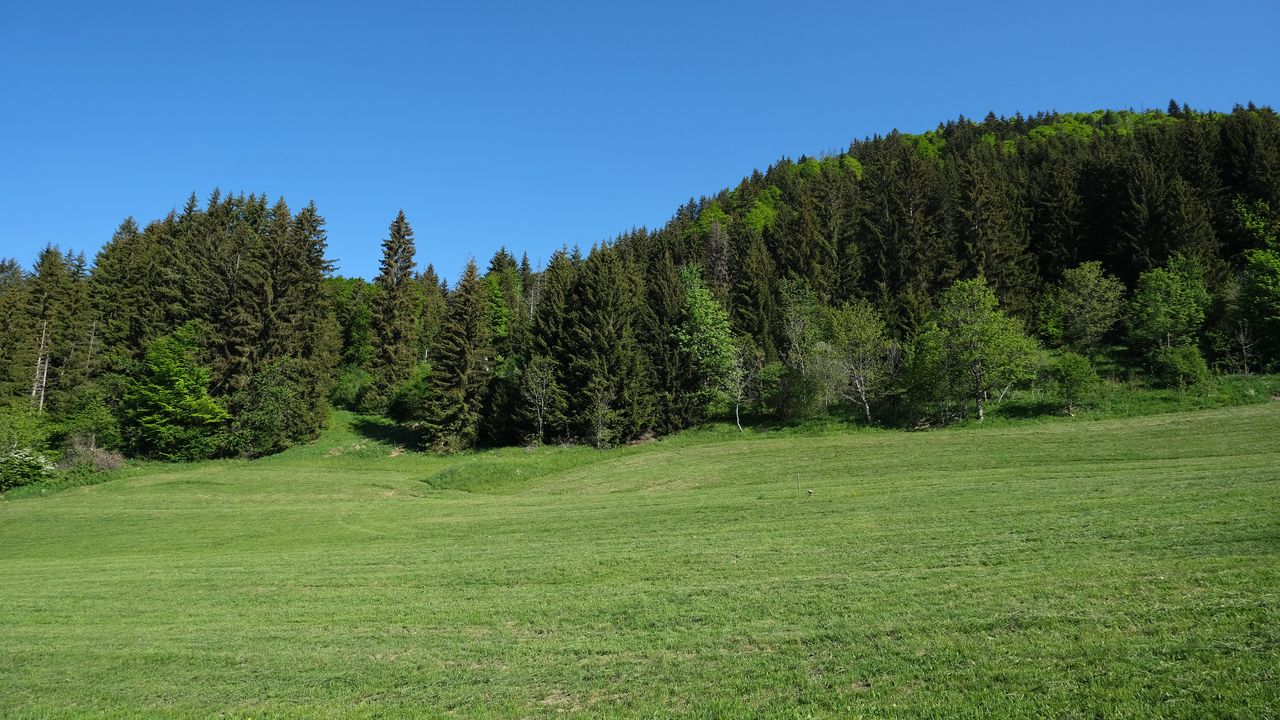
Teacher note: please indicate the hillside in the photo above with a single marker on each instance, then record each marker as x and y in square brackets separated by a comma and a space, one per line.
[1063, 568]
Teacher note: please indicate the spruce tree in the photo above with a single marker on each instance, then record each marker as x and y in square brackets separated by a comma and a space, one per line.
[460, 372]
[18, 344]
[609, 381]
[394, 316]
[548, 339]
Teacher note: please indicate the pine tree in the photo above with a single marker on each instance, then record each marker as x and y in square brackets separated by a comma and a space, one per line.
[461, 368]
[394, 316]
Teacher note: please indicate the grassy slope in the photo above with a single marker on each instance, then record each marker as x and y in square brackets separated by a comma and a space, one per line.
[1063, 568]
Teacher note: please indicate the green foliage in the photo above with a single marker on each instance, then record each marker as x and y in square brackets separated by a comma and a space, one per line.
[711, 214]
[463, 359]
[167, 412]
[929, 145]
[1079, 311]
[972, 350]
[22, 428]
[1075, 379]
[1260, 295]
[1168, 306]
[764, 211]
[23, 466]
[867, 354]
[1181, 366]
[92, 421]
[410, 398]
[706, 340]
[1067, 127]
[395, 316]
[350, 386]
[273, 412]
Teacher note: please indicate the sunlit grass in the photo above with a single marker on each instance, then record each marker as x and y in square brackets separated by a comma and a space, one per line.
[1072, 567]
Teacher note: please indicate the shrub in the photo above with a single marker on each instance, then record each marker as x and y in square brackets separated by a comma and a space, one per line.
[1075, 379]
[167, 411]
[82, 453]
[23, 466]
[409, 399]
[273, 411]
[350, 387]
[1181, 366]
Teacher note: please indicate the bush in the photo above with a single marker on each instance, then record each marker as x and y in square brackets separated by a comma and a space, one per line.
[23, 466]
[273, 411]
[350, 387]
[1075, 379]
[82, 453]
[167, 411]
[409, 399]
[1181, 366]
[91, 424]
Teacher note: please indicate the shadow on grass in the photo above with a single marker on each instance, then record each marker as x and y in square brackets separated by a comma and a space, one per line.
[1027, 409]
[387, 432]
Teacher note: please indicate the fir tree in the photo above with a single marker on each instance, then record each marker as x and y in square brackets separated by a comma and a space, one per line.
[394, 315]
[461, 368]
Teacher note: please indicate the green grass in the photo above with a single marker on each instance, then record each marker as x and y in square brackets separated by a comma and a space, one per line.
[1062, 568]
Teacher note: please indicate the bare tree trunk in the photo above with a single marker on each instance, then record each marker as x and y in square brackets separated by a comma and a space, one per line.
[981, 414]
[88, 360]
[42, 369]
[736, 419]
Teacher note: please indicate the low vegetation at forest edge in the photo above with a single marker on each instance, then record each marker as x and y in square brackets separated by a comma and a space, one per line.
[1073, 567]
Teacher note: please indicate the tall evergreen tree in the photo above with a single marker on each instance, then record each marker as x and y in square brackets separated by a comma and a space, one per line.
[394, 316]
[461, 367]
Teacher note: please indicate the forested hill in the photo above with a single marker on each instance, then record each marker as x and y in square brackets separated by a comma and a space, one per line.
[910, 276]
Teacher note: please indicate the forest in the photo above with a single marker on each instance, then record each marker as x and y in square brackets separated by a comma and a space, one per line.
[910, 281]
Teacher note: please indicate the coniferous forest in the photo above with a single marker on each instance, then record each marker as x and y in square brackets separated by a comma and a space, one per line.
[910, 280]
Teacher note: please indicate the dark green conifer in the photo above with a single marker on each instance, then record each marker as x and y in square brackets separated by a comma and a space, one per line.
[394, 316]
[461, 367]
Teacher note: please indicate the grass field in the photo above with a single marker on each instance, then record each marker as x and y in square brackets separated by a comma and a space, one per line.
[1065, 568]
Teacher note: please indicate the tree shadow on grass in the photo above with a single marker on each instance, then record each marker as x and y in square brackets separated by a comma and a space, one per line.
[1027, 409]
[387, 432]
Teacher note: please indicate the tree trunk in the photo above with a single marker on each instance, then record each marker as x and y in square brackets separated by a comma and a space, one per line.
[981, 415]
[736, 419]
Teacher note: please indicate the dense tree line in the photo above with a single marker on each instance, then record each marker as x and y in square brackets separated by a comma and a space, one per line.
[911, 278]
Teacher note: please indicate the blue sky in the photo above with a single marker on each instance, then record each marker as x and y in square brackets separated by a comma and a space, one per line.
[533, 125]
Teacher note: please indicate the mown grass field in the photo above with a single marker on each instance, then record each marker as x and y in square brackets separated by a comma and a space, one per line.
[1067, 568]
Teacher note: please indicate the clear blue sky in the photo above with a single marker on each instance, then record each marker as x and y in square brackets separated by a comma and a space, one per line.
[539, 124]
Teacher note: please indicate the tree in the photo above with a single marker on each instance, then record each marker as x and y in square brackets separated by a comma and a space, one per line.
[974, 346]
[395, 315]
[706, 340]
[461, 367]
[609, 380]
[1168, 306]
[1075, 378]
[742, 379]
[866, 351]
[167, 411]
[1261, 292]
[538, 389]
[17, 331]
[1079, 311]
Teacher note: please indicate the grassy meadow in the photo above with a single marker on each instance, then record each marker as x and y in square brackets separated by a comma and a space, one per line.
[1074, 567]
